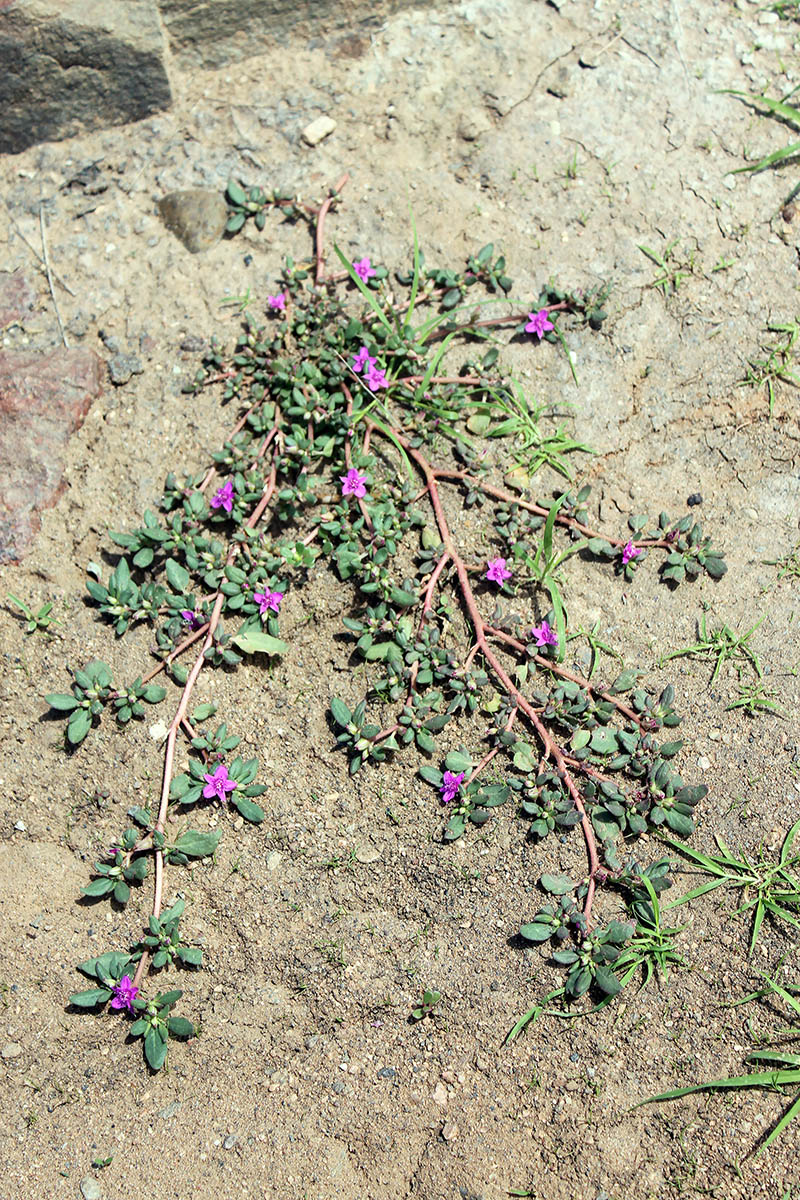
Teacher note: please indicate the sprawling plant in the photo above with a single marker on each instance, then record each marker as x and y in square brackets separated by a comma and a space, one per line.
[354, 438]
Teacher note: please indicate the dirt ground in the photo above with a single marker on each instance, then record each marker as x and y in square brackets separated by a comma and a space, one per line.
[569, 137]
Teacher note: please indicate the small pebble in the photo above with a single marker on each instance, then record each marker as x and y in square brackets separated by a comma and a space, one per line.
[319, 129]
[387, 1073]
[20, 826]
[694, 499]
[197, 217]
[11, 1050]
[230, 1142]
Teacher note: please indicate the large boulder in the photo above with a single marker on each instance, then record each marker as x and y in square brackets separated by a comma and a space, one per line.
[71, 65]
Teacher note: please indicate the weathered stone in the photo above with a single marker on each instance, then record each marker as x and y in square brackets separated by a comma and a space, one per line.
[196, 216]
[210, 33]
[318, 130]
[122, 366]
[44, 398]
[72, 65]
[17, 298]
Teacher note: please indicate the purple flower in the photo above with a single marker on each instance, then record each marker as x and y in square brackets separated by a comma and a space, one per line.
[278, 303]
[124, 994]
[219, 784]
[268, 601]
[191, 618]
[364, 269]
[223, 498]
[362, 359]
[630, 552]
[375, 378]
[354, 484]
[497, 571]
[450, 785]
[544, 635]
[539, 324]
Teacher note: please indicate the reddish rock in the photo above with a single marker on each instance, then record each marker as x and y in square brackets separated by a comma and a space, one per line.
[17, 297]
[44, 398]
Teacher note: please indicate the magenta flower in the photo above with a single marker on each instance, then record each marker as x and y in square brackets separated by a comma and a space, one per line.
[539, 324]
[450, 785]
[277, 303]
[219, 784]
[497, 571]
[268, 601]
[191, 618]
[375, 378]
[223, 498]
[544, 635]
[124, 994]
[354, 484]
[630, 552]
[362, 359]
[364, 269]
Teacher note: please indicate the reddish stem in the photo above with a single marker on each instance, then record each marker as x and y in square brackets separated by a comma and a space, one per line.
[320, 233]
[551, 750]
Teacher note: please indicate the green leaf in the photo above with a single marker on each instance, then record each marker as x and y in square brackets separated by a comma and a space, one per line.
[607, 981]
[203, 711]
[536, 931]
[556, 885]
[179, 1027]
[604, 741]
[431, 775]
[90, 997]
[525, 759]
[191, 956]
[458, 761]
[236, 193]
[154, 693]
[79, 725]
[198, 845]
[255, 642]
[340, 712]
[61, 702]
[455, 827]
[122, 893]
[155, 1048]
[249, 810]
[98, 887]
[177, 576]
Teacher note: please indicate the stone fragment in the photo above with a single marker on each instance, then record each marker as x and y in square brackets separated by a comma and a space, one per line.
[10, 1050]
[196, 216]
[44, 398]
[440, 1095]
[90, 1188]
[17, 298]
[122, 366]
[69, 66]
[319, 129]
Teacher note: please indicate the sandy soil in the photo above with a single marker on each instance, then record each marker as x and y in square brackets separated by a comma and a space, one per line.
[569, 139]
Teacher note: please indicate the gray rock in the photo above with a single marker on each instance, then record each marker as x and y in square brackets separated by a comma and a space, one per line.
[11, 1050]
[210, 33]
[122, 366]
[196, 216]
[69, 66]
